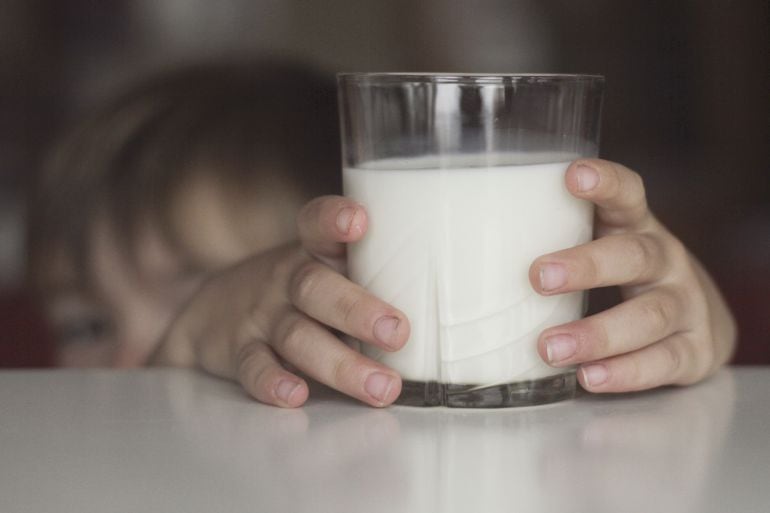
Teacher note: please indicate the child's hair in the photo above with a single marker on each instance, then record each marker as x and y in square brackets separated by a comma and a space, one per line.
[247, 125]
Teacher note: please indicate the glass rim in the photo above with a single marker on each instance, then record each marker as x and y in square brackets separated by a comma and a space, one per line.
[463, 78]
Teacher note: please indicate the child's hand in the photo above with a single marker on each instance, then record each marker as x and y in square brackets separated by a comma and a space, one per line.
[274, 312]
[673, 326]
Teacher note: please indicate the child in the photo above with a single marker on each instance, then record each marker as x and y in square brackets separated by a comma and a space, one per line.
[163, 232]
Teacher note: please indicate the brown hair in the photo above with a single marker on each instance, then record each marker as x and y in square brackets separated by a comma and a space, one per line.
[243, 122]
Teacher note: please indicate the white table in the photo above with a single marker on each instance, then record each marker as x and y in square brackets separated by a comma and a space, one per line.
[161, 440]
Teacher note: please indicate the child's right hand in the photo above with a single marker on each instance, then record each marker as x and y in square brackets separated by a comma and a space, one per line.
[274, 313]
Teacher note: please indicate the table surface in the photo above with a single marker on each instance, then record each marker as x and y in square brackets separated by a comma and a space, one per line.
[174, 440]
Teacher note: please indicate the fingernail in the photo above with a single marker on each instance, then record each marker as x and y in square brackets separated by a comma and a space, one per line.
[560, 347]
[285, 388]
[385, 330]
[587, 178]
[379, 385]
[345, 219]
[594, 375]
[350, 221]
[552, 276]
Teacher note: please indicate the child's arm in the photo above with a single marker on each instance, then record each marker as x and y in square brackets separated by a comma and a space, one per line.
[673, 326]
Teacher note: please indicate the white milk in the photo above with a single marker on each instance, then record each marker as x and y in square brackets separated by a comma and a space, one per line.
[452, 249]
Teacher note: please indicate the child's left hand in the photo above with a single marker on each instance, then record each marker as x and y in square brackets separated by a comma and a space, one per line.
[673, 326]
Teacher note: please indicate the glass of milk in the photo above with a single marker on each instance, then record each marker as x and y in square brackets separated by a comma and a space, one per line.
[462, 177]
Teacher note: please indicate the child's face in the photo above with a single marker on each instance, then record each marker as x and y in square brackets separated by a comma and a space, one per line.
[132, 300]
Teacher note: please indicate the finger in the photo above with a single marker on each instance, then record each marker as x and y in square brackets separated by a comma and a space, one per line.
[262, 376]
[323, 357]
[672, 361]
[255, 366]
[625, 259]
[627, 327]
[617, 191]
[332, 299]
[326, 223]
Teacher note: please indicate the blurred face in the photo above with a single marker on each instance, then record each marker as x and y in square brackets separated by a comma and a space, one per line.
[132, 299]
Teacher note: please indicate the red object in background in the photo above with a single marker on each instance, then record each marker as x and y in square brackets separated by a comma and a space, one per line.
[25, 340]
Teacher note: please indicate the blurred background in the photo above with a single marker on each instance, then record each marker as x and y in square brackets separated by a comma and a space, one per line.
[687, 100]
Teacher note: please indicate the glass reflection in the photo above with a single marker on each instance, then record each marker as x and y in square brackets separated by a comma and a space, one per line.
[619, 453]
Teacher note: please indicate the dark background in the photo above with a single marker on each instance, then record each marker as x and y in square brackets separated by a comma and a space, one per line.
[687, 101]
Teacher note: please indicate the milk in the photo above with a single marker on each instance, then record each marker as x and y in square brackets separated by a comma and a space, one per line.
[450, 243]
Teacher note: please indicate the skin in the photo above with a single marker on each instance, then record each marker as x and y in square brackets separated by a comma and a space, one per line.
[673, 327]
[271, 318]
[119, 320]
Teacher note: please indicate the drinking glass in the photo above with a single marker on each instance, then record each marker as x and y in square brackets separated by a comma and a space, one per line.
[462, 178]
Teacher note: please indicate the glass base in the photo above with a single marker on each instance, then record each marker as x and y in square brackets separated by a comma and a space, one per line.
[520, 393]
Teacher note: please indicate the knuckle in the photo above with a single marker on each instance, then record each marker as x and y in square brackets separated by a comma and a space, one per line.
[591, 268]
[633, 376]
[626, 186]
[613, 187]
[255, 372]
[642, 255]
[347, 307]
[254, 325]
[249, 359]
[304, 281]
[625, 374]
[657, 314]
[637, 375]
[344, 367]
[674, 360]
[294, 336]
[636, 197]
[695, 364]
